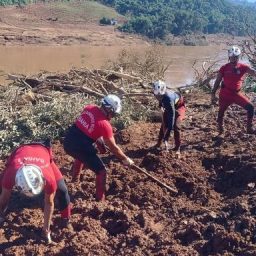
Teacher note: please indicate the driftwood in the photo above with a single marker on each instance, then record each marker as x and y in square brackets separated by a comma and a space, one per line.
[119, 75]
[207, 73]
[96, 83]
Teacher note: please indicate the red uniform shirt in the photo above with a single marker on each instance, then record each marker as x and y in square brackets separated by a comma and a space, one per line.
[94, 123]
[233, 77]
[37, 155]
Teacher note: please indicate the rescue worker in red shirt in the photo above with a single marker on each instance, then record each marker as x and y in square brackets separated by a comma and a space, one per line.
[32, 170]
[173, 107]
[93, 127]
[231, 77]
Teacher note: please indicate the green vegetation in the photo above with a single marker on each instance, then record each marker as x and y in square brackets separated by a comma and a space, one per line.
[22, 121]
[84, 9]
[70, 10]
[156, 19]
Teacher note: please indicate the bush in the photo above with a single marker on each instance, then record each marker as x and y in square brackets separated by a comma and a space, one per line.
[33, 122]
[105, 21]
[23, 121]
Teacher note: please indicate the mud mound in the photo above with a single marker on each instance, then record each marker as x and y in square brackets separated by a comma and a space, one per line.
[213, 212]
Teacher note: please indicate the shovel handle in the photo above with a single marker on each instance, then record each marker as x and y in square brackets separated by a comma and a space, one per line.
[137, 168]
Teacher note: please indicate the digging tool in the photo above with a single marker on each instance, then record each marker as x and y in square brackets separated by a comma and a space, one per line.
[137, 168]
[154, 178]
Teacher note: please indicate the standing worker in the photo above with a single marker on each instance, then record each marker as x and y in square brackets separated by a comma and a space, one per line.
[31, 168]
[173, 112]
[231, 77]
[93, 127]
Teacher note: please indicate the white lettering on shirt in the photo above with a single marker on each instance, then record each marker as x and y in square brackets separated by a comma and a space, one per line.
[33, 160]
[88, 126]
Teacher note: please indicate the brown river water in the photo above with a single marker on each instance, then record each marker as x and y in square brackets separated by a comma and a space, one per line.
[30, 60]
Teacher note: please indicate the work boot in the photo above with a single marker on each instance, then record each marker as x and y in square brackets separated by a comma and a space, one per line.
[76, 170]
[101, 185]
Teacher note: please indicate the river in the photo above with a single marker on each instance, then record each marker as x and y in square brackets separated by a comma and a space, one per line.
[30, 60]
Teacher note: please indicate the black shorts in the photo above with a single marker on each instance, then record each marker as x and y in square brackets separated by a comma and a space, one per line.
[80, 146]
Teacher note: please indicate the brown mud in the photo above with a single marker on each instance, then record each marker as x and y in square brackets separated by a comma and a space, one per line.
[213, 212]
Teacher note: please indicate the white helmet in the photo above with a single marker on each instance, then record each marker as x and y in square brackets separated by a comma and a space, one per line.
[29, 180]
[159, 87]
[113, 103]
[234, 51]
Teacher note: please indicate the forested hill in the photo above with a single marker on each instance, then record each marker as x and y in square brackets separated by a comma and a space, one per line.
[157, 18]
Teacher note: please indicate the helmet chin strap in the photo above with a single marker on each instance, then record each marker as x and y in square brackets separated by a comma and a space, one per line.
[107, 113]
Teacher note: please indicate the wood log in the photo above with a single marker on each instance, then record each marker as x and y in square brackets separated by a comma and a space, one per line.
[118, 74]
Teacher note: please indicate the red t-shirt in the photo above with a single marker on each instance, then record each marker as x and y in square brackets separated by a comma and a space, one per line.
[233, 77]
[37, 155]
[94, 123]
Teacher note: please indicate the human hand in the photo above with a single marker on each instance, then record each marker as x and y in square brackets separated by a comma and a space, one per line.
[128, 161]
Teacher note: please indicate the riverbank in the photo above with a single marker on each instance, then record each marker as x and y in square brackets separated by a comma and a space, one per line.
[74, 23]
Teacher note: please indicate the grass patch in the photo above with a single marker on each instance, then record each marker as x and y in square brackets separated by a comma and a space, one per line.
[86, 10]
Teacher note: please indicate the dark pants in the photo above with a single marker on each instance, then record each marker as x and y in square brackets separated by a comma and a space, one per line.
[179, 116]
[63, 199]
[80, 146]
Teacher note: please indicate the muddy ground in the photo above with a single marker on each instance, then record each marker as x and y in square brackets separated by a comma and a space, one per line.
[213, 212]
[46, 24]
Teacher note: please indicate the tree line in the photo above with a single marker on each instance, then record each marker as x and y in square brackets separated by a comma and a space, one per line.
[157, 18]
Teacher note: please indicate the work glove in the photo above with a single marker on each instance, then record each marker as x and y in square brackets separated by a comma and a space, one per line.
[128, 161]
[100, 145]
[167, 147]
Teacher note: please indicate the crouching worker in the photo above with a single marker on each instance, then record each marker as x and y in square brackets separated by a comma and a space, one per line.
[93, 127]
[32, 170]
[173, 112]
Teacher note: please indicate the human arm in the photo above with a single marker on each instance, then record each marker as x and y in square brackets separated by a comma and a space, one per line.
[48, 212]
[215, 87]
[116, 150]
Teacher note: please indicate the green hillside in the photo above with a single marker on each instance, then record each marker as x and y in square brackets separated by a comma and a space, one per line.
[158, 18]
[68, 10]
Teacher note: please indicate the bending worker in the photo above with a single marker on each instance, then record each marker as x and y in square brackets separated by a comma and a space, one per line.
[93, 127]
[231, 77]
[173, 107]
[31, 168]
